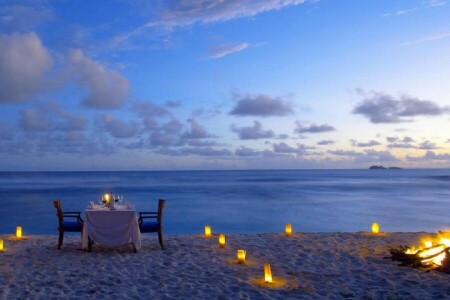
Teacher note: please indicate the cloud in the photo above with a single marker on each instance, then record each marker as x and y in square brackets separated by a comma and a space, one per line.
[22, 18]
[325, 142]
[434, 3]
[261, 105]
[366, 144]
[427, 145]
[172, 127]
[172, 103]
[429, 38]
[253, 132]
[205, 151]
[430, 155]
[396, 142]
[368, 156]
[47, 128]
[107, 89]
[50, 116]
[399, 12]
[173, 13]
[6, 131]
[23, 64]
[313, 128]
[286, 149]
[196, 131]
[345, 152]
[246, 152]
[227, 49]
[119, 128]
[32, 120]
[148, 108]
[384, 108]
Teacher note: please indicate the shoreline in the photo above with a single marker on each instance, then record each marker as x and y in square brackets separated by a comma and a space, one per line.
[305, 265]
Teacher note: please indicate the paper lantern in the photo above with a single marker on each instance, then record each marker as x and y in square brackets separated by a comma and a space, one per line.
[208, 231]
[1, 245]
[241, 256]
[19, 231]
[222, 240]
[288, 229]
[267, 273]
[375, 228]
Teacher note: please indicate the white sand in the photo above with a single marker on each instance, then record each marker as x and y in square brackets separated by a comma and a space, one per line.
[304, 266]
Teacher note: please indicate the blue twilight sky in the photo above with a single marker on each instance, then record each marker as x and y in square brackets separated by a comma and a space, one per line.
[213, 84]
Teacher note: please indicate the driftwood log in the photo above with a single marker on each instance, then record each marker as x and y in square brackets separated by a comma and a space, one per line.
[416, 261]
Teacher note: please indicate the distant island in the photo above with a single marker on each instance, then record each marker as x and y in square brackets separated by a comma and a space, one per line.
[383, 168]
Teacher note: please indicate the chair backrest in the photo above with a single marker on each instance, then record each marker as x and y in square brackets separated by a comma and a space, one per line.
[161, 205]
[57, 205]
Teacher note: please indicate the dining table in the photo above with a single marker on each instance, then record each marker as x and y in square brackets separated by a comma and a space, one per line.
[111, 227]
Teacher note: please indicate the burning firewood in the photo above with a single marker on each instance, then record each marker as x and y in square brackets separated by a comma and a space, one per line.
[428, 258]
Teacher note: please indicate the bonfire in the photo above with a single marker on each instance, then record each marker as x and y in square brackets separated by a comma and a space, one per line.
[432, 253]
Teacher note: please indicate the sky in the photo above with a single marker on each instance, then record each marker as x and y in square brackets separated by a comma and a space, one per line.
[212, 84]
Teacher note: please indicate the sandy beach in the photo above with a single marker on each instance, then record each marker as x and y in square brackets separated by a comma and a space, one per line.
[304, 266]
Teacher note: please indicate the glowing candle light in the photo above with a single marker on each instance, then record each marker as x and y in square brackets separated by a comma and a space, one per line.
[106, 198]
[222, 241]
[19, 231]
[1, 245]
[241, 256]
[208, 231]
[375, 228]
[267, 273]
[288, 229]
[428, 244]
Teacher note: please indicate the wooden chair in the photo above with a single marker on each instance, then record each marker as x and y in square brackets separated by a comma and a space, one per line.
[153, 226]
[69, 226]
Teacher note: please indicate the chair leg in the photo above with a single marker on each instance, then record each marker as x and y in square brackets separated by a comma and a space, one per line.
[60, 239]
[160, 239]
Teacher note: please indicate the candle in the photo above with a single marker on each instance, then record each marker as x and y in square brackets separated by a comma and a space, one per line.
[208, 231]
[375, 228]
[222, 240]
[241, 256]
[1, 245]
[267, 273]
[19, 231]
[288, 229]
[106, 198]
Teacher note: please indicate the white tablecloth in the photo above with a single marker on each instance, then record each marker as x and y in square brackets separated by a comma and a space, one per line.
[111, 227]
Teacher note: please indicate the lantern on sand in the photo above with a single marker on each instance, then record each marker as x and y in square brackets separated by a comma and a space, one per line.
[19, 231]
[208, 231]
[375, 228]
[267, 273]
[241, 256]
[222, 240]
[288, 229]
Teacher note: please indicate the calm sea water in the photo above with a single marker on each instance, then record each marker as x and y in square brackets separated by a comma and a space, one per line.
[240, 201]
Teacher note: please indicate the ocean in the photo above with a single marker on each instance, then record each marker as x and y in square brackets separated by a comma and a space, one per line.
[253, 201]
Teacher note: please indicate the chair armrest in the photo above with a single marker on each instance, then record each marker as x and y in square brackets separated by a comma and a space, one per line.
[147, 215]
[73, 214]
